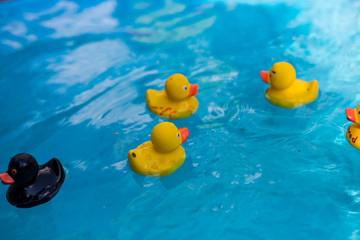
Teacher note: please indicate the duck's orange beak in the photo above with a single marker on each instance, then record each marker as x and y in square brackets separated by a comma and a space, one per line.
[6, 179]
[184, 134]
[351, 114]
[264, 76]
[193, 90]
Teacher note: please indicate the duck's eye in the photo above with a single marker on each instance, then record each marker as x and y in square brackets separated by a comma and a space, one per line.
[178, 135]
[359, 112]
[133, 154]
[185, 87]
[13, 172]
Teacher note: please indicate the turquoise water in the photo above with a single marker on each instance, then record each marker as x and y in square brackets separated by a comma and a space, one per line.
[73, 79]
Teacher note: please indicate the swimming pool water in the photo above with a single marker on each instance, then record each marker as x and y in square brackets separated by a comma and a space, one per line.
[73, 78]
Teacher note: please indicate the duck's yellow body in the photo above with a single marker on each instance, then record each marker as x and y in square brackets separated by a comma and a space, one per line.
[160, 104]
[149, 162]
[285, 90]
[353, 131]
[353, 135]
[176, 101]
[163, 154]
[300, 93]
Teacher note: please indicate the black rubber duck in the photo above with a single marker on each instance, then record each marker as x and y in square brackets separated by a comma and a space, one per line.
[31, 184]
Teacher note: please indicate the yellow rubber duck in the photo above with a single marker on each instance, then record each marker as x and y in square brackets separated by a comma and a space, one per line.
[163, 154]
[353, 131]
[176, 101]
[285, 90]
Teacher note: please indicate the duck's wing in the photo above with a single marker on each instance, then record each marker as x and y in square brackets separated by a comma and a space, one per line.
[158, 103]
[50, 178]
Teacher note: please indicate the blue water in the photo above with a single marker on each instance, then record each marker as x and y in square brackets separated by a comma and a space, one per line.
[73, 79]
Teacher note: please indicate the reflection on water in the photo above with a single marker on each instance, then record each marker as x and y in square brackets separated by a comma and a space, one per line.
[78, 65]
[74, 22]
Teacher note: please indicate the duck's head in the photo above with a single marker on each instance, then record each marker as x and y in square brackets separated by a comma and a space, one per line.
[166, 137]
[22, 169]
[353, 115]
[281, 75]
[178, 88]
